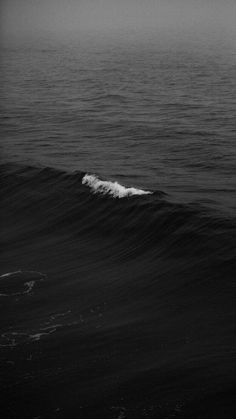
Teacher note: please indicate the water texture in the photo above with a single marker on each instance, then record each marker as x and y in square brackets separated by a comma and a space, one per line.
[117, 278]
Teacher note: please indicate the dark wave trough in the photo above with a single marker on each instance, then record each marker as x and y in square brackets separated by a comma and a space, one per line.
[117, 302]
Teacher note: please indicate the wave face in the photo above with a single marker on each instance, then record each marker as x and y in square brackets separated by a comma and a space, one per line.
[113, 306]
[111, 188]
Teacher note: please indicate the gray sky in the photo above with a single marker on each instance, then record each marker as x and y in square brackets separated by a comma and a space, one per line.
[61, 17]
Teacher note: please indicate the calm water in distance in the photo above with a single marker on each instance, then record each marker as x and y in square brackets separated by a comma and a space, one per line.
[157, 114]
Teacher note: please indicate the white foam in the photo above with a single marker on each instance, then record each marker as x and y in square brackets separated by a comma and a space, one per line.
[46, 331]
[29, 285]
[37, 336]
[22, 272]
[114, 189]
[10, 274]
[12, 339]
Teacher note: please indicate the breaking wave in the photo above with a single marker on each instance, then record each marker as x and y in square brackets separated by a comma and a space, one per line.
[114, 189]
[139, 289]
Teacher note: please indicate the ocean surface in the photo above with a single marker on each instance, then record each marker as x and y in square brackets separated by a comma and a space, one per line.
[118, 195]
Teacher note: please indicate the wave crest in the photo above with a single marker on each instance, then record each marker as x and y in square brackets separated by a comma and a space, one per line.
[113, 189]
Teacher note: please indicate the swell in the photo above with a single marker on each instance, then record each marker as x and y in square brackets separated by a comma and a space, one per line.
[140, 285]
[45, 200]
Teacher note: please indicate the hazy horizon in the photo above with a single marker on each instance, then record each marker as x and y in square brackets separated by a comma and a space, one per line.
[60, 19]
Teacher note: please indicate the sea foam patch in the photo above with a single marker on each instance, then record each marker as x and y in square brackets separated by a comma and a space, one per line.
[113, 189]
[19, 282]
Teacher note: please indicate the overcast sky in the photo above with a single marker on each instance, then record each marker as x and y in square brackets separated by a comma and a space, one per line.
[59, 17]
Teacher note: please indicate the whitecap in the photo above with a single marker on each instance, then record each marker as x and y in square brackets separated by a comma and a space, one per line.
[113, 189]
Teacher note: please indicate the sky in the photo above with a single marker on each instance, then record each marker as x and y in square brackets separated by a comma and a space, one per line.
[32, 18]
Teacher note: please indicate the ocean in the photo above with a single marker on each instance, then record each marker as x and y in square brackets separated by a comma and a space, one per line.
[117, 278]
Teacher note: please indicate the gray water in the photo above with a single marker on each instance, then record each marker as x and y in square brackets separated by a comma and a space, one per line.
[158, 114]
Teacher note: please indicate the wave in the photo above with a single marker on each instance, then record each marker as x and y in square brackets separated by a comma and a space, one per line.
[44, 200]
[110, 188]
[142, 286]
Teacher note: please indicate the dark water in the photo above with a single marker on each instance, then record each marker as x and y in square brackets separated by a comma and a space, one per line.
[117, 285]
